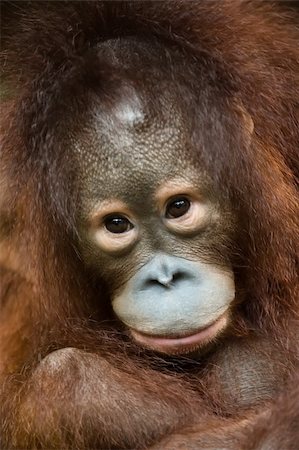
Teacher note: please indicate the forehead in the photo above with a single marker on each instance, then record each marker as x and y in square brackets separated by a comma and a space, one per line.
[128, 149]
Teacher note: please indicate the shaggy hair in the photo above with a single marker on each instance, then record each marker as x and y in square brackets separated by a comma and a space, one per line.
[49, 68]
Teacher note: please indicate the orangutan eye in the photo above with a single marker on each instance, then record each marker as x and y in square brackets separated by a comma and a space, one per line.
[177, 207]
[114, 227]
[117, 224]
[184, 215]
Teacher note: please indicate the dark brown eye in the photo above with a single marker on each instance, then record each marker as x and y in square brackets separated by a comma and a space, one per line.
[177, 208]
[117, 224]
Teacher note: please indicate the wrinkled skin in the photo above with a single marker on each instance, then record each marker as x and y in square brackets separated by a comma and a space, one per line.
[163, 278]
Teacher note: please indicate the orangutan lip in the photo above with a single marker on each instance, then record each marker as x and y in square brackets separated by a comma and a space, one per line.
[183, 343]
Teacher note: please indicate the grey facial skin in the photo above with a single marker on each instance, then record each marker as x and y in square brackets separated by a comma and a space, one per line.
[163, 280]
[172, 296]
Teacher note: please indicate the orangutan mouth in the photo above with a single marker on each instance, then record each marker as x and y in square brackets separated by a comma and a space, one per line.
[182, 344]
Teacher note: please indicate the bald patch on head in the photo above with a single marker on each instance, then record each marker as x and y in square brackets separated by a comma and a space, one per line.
[129, 110]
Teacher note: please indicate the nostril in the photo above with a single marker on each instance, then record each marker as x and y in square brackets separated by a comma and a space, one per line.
[178, 276]
[166, 280]
[159, 281]
[151, 282]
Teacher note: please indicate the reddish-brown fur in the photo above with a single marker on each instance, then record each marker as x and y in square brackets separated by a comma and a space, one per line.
[104, 394]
